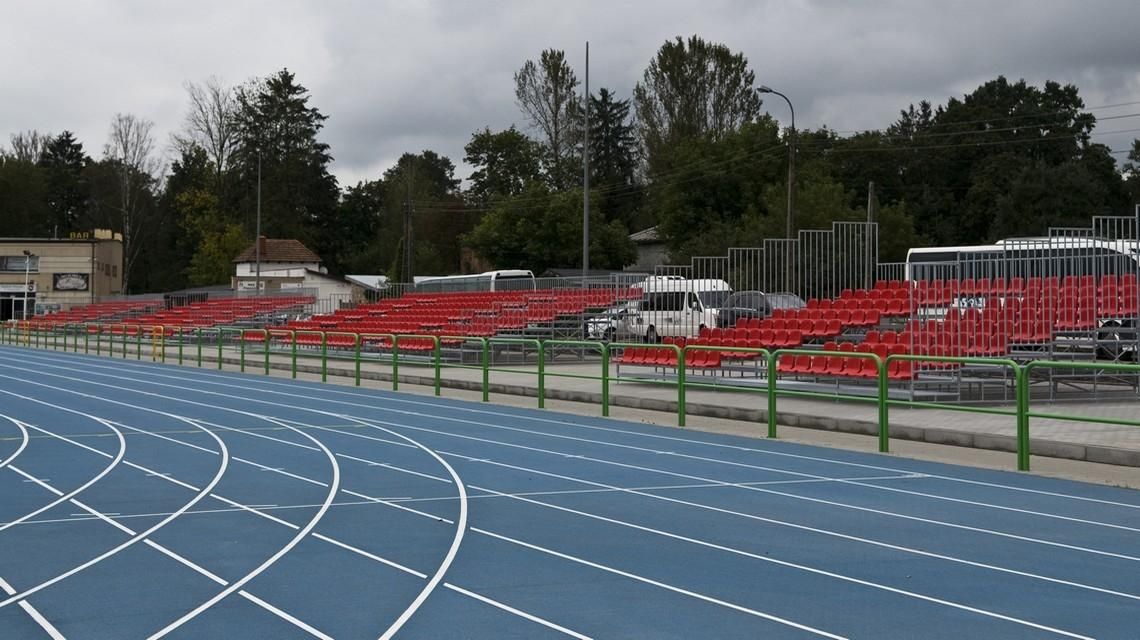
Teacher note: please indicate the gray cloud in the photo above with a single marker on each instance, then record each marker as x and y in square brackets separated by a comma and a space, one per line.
[398, 77]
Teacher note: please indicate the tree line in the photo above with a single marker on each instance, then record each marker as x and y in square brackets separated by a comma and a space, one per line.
[690, 150]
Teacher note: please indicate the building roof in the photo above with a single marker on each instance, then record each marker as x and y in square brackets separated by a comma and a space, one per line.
[645, 236]
[279, 250]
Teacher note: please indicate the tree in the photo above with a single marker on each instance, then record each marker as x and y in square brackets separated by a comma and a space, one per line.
[277, 131]
[28, 146]
[613, 158]
[1132, 173]
[211, 124]
[692, 89]
[425, 185]
[505, 163]
[542, 229]
[23, 199]
[67, 189]
[129, 152]
[546, 93]
[714, 198]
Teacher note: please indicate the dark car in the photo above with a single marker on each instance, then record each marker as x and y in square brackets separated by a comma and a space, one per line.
[755, 304]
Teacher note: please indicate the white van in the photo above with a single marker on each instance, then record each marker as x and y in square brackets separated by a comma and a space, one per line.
[678, 307]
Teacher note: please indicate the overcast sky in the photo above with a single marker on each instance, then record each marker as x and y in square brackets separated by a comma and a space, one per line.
[397, 77]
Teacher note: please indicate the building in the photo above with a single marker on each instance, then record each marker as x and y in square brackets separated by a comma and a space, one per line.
[651, 251]
[57, 274]
[287, 267]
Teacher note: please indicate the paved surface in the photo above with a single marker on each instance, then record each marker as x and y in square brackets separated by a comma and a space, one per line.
[140, 500]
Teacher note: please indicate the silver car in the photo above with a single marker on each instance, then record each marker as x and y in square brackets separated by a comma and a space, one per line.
[613, 324]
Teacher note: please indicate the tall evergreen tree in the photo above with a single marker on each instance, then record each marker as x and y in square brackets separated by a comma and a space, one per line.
[613, 158]
[67, 189]
[277, 126]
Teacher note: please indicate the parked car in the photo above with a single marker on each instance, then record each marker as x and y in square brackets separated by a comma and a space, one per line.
[755, 304]
[613, 324]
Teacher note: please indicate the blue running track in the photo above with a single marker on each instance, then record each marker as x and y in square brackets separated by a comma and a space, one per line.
[139, 500]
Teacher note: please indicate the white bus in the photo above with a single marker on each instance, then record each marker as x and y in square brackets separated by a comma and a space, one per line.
[501, 280]
[1025, 258]
[678, 307]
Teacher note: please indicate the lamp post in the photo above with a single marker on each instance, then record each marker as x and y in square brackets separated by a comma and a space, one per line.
[257, 232]
[28, 255]
[791, 159]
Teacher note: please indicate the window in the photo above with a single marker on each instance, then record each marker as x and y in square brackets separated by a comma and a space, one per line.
[667, 301]
[20, 263]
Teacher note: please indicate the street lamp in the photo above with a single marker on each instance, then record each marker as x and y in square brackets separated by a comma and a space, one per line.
[28, 255]
[257, 233]
[791, 159]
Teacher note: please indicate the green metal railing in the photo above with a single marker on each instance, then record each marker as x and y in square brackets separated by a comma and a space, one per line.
[114, 340]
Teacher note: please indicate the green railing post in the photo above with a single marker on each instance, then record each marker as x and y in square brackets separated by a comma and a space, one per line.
[486, 370]
[181, 339]
[680, 385]
[241, 349]
[1021, 378]
[324, 356]
[884, 416]
[395, 362]
[138, 342]
[293, 350]
[541, 375]
[438, 367]
[356, 349]
[220, 332]
[265, 343]
[198, 343]
[772, 393]
[605, 380]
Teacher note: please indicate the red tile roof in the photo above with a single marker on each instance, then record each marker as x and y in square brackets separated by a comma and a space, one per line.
[275, 250]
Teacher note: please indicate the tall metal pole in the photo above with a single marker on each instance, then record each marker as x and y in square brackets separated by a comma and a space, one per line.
[27, 279]
[791, 161]
[586, 178]
[257, 233]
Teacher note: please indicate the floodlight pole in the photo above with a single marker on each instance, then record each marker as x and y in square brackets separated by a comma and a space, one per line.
[586, 177]
[27, 279]
[791, 160]
[257, 233]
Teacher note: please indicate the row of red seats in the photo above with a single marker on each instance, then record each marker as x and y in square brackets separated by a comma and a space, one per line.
[787, 318]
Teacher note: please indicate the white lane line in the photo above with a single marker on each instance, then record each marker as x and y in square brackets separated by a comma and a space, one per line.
[334, 486]
[436, 416]
[659, 584]
[560, 453]
[23, 441]
[64, 497]
[366, 500]
[792, 525]
[130, 541]
[105, 517]
[218, 394]
[832, 503]
[33, 613]
[420, 598]
[895, 590]
[457, 540]
[517, 612]
[261, 385]
[408, 499]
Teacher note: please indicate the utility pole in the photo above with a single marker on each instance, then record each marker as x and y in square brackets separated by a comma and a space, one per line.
[409, 245]
[586, 178]
[870, 218]
[257, 233]
[790, 224]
